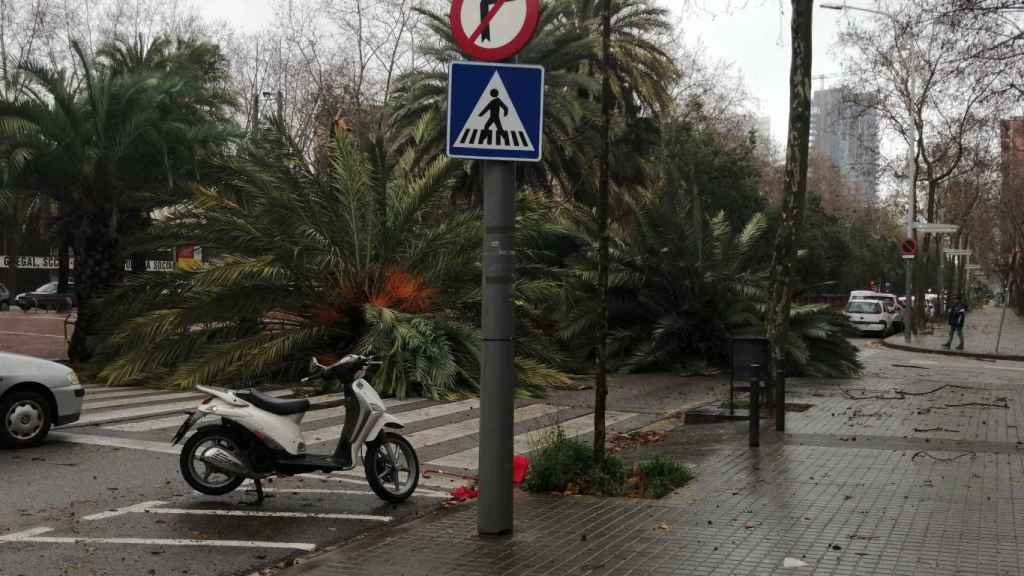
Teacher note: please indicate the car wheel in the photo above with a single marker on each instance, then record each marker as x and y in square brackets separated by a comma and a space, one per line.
[24, 419]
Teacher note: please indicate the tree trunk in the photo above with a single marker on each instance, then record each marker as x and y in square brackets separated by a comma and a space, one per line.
[96, 269]
[12, 251]
[601, 377]
[793, 200]
[63, 257]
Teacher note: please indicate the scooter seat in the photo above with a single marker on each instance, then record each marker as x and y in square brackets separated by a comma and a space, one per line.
[273, 405]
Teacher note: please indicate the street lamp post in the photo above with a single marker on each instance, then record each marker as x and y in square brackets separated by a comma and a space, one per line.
[908, 315]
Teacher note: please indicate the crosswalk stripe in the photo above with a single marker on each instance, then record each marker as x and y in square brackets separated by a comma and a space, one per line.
[105, 403]
[312, 416]
[114, 442]
[109, 416]
[442, 434]
[522, 442]
[330, 433]
[103, 394]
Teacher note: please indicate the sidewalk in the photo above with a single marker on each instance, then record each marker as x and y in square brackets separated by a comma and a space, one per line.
[869, 480]
[980, 333]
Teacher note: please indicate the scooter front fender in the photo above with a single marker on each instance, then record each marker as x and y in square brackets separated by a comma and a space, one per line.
[385, 421]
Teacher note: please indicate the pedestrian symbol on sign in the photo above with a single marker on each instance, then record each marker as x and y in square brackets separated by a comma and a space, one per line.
[494, 123]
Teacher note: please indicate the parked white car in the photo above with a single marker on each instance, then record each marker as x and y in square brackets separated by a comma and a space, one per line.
[893, 305]
[35, 394]
[870, 316]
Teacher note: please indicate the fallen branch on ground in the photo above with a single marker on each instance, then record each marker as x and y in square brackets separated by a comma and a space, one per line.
[898, 391]
[871, 397]
[966, 404]
[942, 458]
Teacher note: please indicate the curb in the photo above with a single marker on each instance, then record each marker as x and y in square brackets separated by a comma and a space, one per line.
[943, 352]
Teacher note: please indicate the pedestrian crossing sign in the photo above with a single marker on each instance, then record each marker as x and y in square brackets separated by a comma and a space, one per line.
[495, 111]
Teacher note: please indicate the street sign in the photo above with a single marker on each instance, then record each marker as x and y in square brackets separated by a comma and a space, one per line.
[929, 228]
[973, 266]
[908, 247]
[495, 111]
[493, 30]
[957, 252]
[908, 256]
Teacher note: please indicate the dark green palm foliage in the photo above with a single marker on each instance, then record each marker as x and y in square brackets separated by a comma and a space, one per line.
[671, 310]
[127, 134]
[305, 266]
[817, 343]
[667, 309]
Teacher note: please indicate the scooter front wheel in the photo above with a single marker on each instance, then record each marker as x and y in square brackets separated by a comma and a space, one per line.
[392, 467]
[202, 476]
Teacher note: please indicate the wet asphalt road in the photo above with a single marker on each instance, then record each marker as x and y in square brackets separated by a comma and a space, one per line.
[59, 486]
[79, 509]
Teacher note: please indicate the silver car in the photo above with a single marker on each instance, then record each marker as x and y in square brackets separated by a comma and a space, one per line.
[35, 394]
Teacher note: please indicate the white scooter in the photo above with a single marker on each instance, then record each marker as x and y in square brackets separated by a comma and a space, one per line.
[259, 436]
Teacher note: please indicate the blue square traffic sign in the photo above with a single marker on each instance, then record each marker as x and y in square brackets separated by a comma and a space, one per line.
[495, 111]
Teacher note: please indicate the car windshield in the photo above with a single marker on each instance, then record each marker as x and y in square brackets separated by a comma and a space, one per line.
[863, 307]
[887, 300]
[50, 288]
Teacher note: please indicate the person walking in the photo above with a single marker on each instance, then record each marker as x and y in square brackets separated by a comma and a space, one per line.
[957, 317]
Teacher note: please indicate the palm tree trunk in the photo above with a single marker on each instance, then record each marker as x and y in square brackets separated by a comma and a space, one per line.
[794, 194]
[96, 269]
[11, 239]
[63, 257]
[601, 377]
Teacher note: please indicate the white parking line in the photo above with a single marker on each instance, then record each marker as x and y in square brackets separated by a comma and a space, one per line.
[442, 434]
[469, 459]
[330, 434]
[18, 536]
[140, 507]
[350, 478]
[33, 536]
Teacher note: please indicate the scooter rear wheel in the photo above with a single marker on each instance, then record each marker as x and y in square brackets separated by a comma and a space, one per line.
[201, 475]
[392, 467]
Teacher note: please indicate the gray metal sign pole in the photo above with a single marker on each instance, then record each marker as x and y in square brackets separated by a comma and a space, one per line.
[498, 374]
[940, 304]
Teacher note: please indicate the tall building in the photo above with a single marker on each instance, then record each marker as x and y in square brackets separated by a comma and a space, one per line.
[847, 133]
[761, 128]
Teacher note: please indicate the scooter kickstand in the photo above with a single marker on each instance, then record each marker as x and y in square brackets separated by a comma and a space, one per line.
[258, 489]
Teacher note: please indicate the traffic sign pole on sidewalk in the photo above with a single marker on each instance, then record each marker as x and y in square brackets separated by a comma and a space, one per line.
[909, 250]
[498, 373]
[495, 114]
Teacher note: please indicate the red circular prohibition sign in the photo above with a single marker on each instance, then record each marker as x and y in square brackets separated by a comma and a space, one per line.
[466, 40]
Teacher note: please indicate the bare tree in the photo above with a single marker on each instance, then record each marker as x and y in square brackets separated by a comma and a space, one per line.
[923, 75]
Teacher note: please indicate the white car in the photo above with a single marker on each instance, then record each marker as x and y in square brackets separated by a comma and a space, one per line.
[35, 394]
[870, 316]
[892, 305]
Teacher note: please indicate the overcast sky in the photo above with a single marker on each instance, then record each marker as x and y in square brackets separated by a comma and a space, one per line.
[754, 36]
[751, 34]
